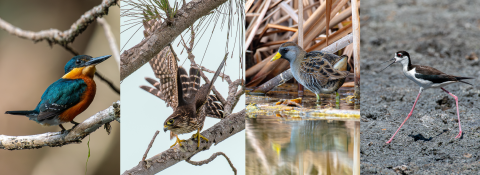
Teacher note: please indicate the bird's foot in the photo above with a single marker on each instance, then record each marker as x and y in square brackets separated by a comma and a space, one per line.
[350, 98]
[179, 142]
[75, 124]
[290, 102]
[198, 136]
[63, 129]
[459, 135]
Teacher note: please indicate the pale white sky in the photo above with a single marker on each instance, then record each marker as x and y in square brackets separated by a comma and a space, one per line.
[143, 113]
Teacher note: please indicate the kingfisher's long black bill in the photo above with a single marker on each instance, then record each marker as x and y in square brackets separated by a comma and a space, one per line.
[97, 60]
[389, 64]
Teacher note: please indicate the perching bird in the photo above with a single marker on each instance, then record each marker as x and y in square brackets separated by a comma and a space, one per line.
[190, 102]
[426, 77]
[318, 71]
[69, 96]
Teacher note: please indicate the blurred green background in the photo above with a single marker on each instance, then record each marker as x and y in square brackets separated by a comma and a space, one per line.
[28, 68]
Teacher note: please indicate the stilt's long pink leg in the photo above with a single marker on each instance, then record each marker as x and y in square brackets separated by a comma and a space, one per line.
[458, 114]
[409, 114]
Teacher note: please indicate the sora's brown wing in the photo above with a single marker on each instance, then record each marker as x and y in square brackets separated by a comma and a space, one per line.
[319, 69]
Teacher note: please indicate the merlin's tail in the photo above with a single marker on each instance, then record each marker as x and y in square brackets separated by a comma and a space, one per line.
[217, 73]
[214, 107]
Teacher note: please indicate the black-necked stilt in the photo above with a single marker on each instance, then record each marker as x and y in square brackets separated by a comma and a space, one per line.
[426, 77]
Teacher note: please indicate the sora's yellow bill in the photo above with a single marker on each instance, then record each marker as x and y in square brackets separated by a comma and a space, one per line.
[276, 57]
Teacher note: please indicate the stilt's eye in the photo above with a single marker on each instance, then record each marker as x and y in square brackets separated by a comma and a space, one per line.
[399, 54]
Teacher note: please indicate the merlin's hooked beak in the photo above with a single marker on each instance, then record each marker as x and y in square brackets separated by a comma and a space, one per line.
[395, 60]
[97, 60]
[165, 128]
[276, 57]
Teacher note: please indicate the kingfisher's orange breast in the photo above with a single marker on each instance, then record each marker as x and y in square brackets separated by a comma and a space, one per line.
[85, 100]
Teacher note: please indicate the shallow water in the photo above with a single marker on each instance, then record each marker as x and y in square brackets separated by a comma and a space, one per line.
[301, 146]
[303, 138]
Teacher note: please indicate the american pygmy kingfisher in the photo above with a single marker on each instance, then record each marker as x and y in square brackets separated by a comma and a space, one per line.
[69, 96]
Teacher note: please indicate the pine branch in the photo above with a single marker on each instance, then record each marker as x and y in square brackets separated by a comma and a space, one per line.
[135, 57]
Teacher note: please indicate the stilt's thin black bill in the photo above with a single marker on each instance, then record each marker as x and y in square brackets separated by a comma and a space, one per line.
[389, 64]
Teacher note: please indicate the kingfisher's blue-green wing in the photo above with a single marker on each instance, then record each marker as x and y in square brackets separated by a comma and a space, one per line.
[60, 96]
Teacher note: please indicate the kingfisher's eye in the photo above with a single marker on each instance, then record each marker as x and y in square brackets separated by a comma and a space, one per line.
[78, 61]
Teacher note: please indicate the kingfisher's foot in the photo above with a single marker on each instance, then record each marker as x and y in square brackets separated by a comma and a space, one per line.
[74, 124]
[63, 129]
[198, 136]
[179, 142]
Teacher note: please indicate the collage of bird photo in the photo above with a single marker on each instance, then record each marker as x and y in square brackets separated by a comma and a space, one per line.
[241, 87]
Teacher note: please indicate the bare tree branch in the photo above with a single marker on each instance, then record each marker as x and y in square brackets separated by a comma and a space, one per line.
[287, 75]
[232, 96]
[55, 36]
[198, 163]
[225, 77]
[135, 57]
[111, 39]
[150, 145]
[57, 139]
[217, 133]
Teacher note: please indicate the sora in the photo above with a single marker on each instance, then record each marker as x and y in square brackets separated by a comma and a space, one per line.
[318, 71]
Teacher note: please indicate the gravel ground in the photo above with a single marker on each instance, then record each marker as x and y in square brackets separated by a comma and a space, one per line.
[436, 33]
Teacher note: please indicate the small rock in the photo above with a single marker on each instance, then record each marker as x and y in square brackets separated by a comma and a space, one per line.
[467, 155]
[401, 169]
[473, 56]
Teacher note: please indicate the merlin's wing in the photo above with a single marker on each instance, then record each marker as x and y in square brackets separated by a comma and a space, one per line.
[192, 84]
[189, 84]
[165, 69]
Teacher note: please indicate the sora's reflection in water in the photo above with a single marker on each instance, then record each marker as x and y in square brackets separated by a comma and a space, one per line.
[289, 91]
[279, 146]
